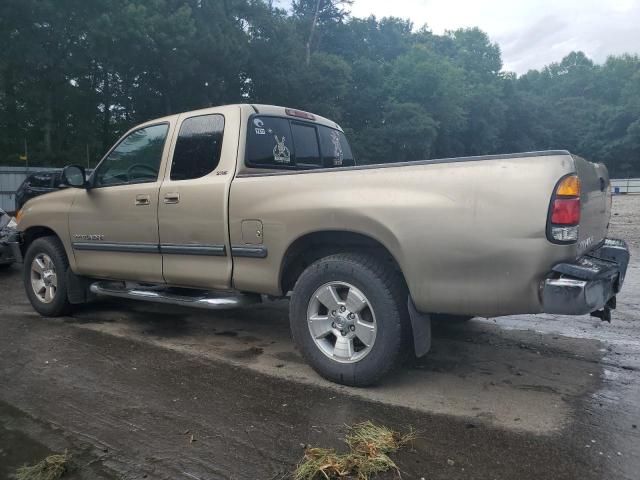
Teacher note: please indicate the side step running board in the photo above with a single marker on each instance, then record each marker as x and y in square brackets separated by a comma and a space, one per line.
[176, 296]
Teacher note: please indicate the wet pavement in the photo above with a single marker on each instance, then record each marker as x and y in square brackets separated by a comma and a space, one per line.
[137, 390]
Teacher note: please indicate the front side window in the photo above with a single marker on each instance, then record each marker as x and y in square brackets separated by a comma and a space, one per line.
[198, 147]
[136, 159]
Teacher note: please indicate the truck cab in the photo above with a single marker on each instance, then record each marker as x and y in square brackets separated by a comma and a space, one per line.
[156, 208]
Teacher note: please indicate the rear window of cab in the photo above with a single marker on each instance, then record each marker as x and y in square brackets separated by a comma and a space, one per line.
[281, 143]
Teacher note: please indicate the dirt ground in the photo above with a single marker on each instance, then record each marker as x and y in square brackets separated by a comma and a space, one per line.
[124, 386]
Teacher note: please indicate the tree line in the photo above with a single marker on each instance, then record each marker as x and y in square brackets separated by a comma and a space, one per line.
[76, 74]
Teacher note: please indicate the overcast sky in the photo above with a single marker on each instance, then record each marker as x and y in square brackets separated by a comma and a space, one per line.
[531, 33]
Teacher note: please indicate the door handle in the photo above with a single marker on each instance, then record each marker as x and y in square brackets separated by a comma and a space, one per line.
[143, 199]
[172, 197]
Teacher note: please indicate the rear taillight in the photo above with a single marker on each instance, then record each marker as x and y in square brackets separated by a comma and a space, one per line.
[566, 211]
[564, 214]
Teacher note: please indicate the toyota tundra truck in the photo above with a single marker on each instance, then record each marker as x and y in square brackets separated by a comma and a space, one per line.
[232, 205]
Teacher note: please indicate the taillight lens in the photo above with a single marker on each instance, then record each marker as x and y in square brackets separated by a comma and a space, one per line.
[566, 211]
[568, 187]
[564, 215]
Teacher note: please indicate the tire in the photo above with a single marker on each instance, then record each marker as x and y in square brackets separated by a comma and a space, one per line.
[356, 279]
[52, 301]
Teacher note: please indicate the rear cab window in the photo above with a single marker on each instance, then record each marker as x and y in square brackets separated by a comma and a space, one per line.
[335, 148]
[197, 150]
[306, 145]
[269, 143]
[291, 144]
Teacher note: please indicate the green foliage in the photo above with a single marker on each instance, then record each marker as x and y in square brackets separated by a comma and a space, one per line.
[74, 74]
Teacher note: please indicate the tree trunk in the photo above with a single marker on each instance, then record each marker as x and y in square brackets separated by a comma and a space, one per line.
[106, 114]
[48, 121]
[313, 28]
[13, 134]
[166, 93]
[167, 100]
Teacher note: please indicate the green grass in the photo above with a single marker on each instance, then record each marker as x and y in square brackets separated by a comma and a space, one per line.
[51, 468]
[369, 448]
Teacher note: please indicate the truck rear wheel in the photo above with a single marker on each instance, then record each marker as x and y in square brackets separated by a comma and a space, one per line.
[349, 318]
[45, 277]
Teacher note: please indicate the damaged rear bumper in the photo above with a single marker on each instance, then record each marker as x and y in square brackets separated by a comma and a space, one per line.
[589, 284]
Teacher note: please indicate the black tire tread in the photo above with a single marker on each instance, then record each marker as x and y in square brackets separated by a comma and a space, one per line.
[61, 305]
[396, 293]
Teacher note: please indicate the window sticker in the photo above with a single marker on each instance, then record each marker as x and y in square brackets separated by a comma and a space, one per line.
[281, 153]
[338, 156]
[259, 126]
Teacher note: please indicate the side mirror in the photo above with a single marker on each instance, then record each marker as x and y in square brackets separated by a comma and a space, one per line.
[74, 176]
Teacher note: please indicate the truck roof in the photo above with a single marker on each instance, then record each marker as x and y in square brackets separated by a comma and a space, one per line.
[282, 112]
[257, 109]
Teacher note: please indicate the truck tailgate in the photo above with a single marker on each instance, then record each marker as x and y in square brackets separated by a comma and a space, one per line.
[595, 204]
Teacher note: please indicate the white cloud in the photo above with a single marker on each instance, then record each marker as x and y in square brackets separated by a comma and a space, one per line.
[530, 33]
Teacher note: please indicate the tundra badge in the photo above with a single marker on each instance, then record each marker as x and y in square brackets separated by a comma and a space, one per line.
[96, 236]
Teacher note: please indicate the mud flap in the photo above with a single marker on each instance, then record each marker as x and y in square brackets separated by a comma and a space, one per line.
[421, 326]
[77, 288]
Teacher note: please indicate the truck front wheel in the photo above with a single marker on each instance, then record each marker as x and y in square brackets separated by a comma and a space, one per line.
[349, 318]
[45, 279]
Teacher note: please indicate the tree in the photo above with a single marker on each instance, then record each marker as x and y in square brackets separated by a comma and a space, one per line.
[318, 14]
[74, 74]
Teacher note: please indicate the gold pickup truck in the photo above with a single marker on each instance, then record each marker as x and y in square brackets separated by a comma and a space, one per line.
[221, 207]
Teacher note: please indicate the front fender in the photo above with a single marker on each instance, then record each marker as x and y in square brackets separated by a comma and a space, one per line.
[48, 215]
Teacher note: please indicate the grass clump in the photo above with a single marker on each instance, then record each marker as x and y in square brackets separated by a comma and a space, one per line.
[369, 448]
[323, 463]
[51, 468]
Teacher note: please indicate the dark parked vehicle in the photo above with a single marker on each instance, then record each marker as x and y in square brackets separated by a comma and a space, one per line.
[7, 228]
[37, 184]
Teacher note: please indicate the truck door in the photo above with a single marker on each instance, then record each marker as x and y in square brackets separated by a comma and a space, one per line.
[193, 204]
[114, 224]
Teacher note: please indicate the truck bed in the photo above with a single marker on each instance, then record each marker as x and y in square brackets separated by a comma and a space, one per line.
[468, 233]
